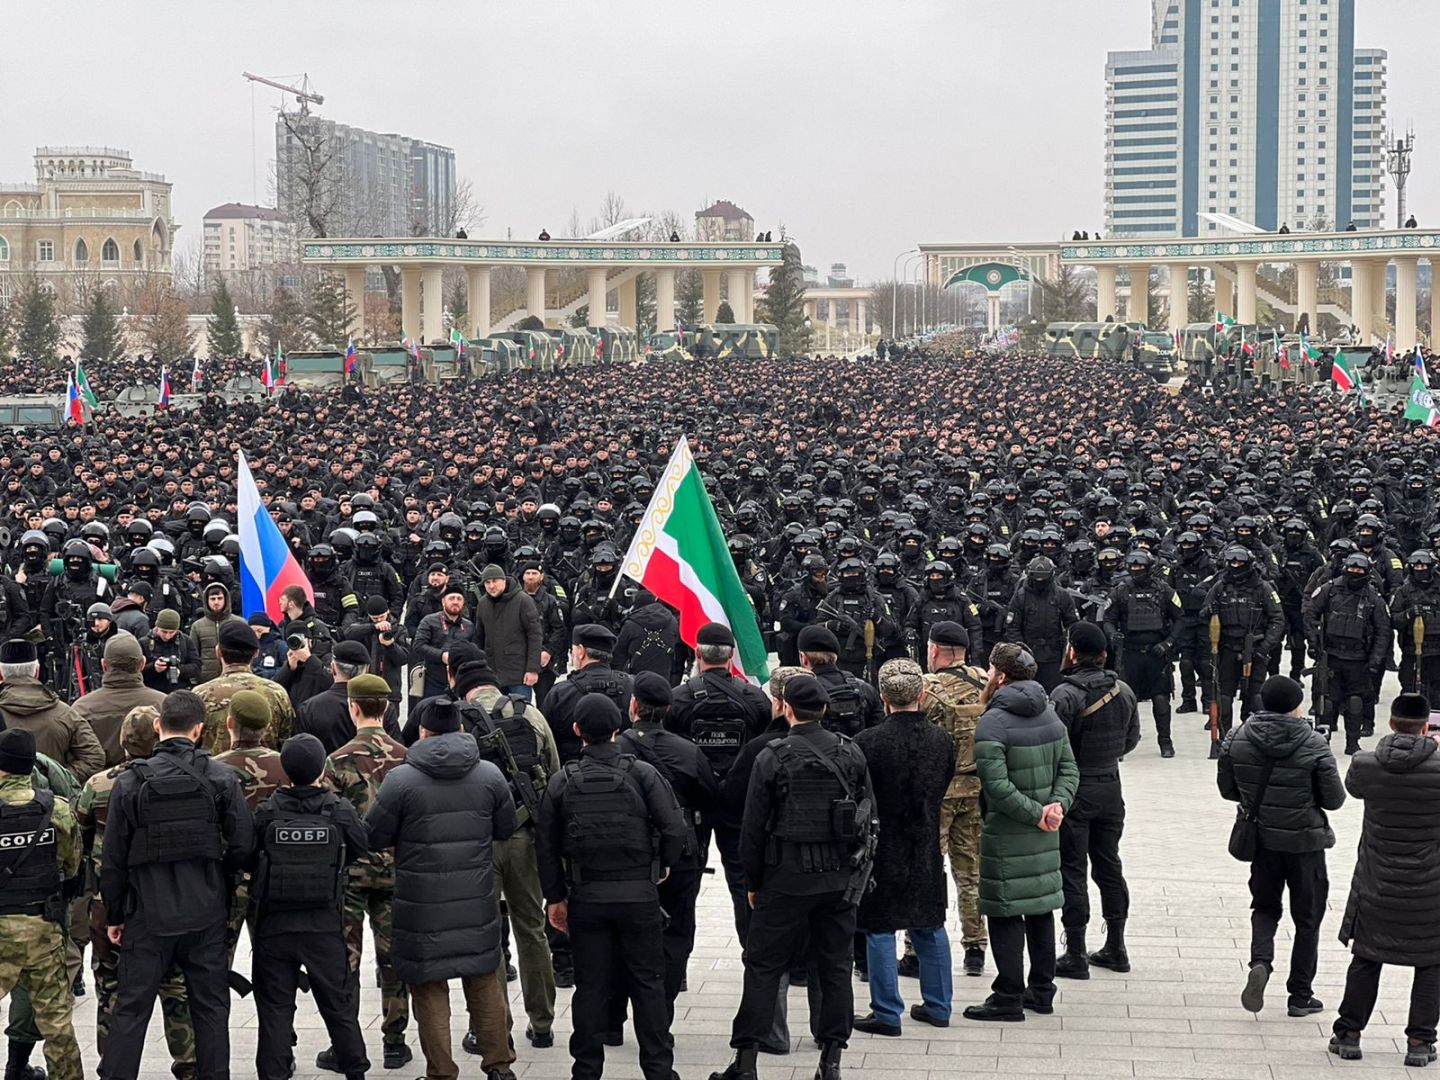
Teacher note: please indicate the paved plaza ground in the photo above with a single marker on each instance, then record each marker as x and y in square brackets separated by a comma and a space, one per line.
[1176, 1014]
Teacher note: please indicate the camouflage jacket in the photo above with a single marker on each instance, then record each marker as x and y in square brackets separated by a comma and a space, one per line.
[258, 769]
[16, 791]
[217, 694]
[91, 809]
[355, 772]
[952, 702]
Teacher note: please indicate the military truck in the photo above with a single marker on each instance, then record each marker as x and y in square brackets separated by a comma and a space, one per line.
[666, 345]
[1154, 353]
[574, 346]
[615, 344]
[495, 356]
[440, 363]
[138, 398]
[384, 365]
[1086, 341]
[32, 410]
[316, 369]
[537, 348]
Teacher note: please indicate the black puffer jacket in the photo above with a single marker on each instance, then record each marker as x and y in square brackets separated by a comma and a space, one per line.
[441, 811]
[1303, 785]
[1101, 739]
[1397, 870]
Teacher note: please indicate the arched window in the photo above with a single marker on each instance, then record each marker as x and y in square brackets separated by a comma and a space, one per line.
[110, 253]
[82, 252]
[4, 250]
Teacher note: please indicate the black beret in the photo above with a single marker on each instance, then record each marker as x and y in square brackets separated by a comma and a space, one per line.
[593, 636]
[351, 652]
[592, 707]
[1281, 694]
[714, 633]
[1087, 639]
[817, 639]
[651, 689]
[237, 637]
[18, 651]
[950, 634]
[806, 694]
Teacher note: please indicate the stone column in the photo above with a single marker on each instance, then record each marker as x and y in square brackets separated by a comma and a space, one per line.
[1406, 269]
[626, 295]
[992, 308]
[860, 316]
[664, 299]
[1434, 302]
[535, 291]
[1224, 291]
[1307, 292]
[1104, 294]
[1140, 294]
[1378, 292]
[477, 299]
[432, 301]
[810, 310]
[1179, 296]
[1245, 292]
[410, 302]
[1361, 308]
[710, 282]
[596, 277]
[355, 297]
[739, 282]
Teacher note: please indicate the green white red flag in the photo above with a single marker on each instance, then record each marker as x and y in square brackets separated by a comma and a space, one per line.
[1343, 373]
[1222, 321]
[679, 553]
[1421, 404]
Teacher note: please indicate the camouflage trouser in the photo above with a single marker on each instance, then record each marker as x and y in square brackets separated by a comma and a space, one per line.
[960, 836]
[32, 956]
[174, 1009]
[394, 994]
[22, 1027]
[241, 914]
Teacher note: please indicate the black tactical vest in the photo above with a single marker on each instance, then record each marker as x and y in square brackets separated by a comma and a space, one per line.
[29, 862]
[302, 861]
[607, 834]
[815, 811]
[718, 725]
[507, 727]
[177, 816]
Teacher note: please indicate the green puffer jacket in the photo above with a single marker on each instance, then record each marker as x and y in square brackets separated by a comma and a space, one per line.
[1024, 761]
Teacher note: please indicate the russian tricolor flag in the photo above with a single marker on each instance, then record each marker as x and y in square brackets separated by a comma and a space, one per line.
[267, 564]
[164, 401]
[74, 407]
[349, 357]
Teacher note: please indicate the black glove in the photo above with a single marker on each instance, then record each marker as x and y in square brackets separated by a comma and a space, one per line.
[1160, 649]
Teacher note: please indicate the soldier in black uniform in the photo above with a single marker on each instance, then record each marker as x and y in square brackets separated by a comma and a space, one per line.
[178, 827]
[807, 793]
[305, 837]
[904, 603]
[1297, 559]
[1191, 577]
[329, 588]
[1417, 602]
[719, 712]
[687, 770]
[799, 607]
[1347, 617]
[859, 618]
[854, 704]
[1099, 712]
[1251, 625]
[992, 590]
[943, 601]
[609, 830]
[1039, 614]
[1143, 619]
[591, 647]
[370, 575]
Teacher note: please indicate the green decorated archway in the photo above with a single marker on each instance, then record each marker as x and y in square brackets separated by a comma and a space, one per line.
[992, 276]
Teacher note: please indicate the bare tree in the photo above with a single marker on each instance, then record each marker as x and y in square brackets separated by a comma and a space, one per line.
[315, 168]
[572, 227]
[612, 210]
[162, 320]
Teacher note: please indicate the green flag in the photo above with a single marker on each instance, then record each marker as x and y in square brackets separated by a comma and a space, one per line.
[82, 384]
[1421, 404]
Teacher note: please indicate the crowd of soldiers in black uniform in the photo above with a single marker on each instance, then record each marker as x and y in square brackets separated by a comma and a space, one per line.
[1015, 496]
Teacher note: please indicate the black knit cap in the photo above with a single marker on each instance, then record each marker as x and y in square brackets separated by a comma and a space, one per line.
[806, 694]
[1410, 707]
[17, 752]
[303, 759]
[1281, 694]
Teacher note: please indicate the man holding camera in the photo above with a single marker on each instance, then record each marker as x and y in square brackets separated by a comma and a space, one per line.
[174, 662]
[305, 674]
[388, 643]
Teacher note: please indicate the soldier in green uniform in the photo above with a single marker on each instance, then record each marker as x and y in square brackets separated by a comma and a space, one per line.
[41, 849]
[355, 772]
[49, 775]
[248, 719]
[236, 648]
[952, 701]
[138, 735]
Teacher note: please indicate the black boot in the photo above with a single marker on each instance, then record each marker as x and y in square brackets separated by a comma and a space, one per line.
[1160, 704]
[18, 1067]
[1113, 955]
[742, 1068]
[1187, 706]
[829, 1067]
[1072, 963]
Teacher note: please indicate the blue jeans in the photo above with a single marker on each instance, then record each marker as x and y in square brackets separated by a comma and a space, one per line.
[520, 690]
[932, 947]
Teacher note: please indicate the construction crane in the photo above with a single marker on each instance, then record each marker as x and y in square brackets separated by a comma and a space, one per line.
[302, 93]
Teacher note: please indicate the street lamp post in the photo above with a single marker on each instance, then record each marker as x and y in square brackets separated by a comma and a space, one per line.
[905, 276]
[894, 285]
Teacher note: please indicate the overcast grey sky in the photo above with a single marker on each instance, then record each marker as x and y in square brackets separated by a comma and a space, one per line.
[864, 127]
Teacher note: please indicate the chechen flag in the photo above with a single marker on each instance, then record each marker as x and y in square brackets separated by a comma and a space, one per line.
[1421, 404]
[195, 377]
[267, 564]
[1343, 372]
[679, 554]
[164, 401]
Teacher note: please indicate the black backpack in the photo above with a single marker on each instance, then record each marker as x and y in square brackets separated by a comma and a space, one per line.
[508, 741]
[846, 712]
[607, 834]
[718, 725]
[177, 815]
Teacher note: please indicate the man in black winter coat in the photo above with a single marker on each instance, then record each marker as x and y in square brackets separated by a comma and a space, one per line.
[327, 715]
[1399, 783]
[1100, 715]
[1282, 772]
